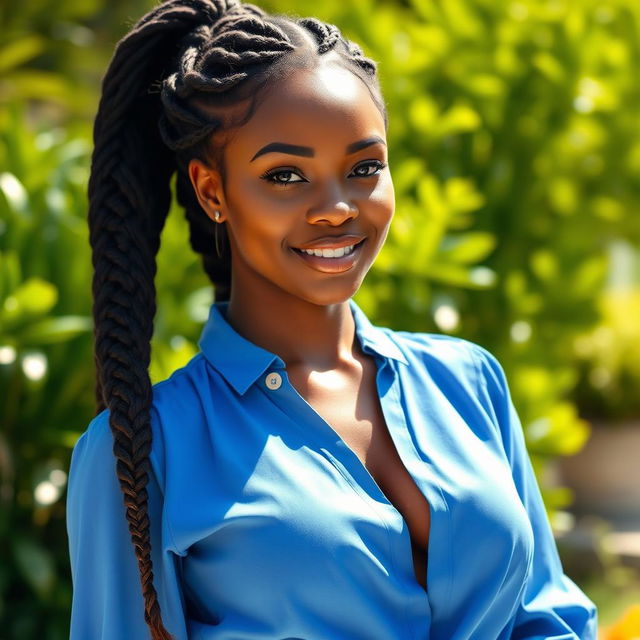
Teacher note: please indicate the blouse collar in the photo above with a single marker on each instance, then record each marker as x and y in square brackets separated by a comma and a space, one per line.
[242, 362]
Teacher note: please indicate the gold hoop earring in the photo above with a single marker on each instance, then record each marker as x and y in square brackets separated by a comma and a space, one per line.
[216, 234]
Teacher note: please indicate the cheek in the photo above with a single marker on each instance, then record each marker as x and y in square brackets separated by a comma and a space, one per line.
[382, 203]
[383, 191]
[388, 191]
[261, 209]
[257, 233]
[253, 219]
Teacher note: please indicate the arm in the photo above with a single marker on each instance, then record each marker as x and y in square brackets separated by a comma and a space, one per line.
[552, 606]
[107, 594]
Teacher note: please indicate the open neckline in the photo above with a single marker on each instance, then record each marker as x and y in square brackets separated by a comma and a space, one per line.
[391, 361]
[406, 534]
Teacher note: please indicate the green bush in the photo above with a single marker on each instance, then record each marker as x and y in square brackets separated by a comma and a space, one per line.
[515, 154]
[45, 366]
[609, 383]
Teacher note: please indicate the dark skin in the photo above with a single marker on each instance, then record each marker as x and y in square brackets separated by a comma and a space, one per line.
[325, 110]
[296, 307]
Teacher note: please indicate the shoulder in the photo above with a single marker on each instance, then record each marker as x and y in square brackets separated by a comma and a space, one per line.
[182, 384]
[174, 400]
[440, 351]
[453, 361]
[94, 443]
[467, 374]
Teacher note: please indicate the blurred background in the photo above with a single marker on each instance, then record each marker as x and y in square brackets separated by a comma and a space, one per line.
[515, 153]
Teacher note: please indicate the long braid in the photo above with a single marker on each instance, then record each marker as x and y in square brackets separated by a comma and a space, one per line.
[127, 211]
[165, 97]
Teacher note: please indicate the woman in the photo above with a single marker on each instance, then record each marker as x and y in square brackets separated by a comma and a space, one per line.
[307, 474]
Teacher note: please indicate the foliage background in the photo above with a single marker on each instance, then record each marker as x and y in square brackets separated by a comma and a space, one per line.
[515, 154]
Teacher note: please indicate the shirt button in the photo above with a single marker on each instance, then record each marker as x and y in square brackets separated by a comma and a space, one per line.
[273, 380]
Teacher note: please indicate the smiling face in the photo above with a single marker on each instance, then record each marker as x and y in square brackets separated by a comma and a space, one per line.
[306, 175]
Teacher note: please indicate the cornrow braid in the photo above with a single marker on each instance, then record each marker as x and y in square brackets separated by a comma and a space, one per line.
[327, 35]
[168, 96]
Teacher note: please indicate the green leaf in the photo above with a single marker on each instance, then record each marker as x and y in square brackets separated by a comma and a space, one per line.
[544, 264]
[407, 173]
[563, 195]
[198, 304]
[35, 83]
[549, 66]
[462, 196]
[52, 330]
[10, 274]
[559, 432]
[15, 193]
[459, 119]
[487, 85]
[467, 248]
[36, 565]
[589, 277]
[166, 358]
[460, 276]
[19, 51]
[34, 297]
[423, 114]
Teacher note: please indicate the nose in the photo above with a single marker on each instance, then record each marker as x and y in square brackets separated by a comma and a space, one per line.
[334, 210]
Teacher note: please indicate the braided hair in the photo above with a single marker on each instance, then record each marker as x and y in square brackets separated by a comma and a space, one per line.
[173, 92]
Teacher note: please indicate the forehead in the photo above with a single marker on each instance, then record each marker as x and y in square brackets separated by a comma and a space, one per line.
[327, 105]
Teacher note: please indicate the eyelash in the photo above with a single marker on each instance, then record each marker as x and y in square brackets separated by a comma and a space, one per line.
[269, 175]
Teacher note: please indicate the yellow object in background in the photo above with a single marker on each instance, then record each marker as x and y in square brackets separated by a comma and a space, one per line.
[627, 628]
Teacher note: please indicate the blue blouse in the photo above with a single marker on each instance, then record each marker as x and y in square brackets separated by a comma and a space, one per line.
[266, 525]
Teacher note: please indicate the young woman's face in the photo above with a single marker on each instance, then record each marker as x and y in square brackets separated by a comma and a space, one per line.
[308, 172]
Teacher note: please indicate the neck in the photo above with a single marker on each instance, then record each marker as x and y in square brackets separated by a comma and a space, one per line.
[303, 334]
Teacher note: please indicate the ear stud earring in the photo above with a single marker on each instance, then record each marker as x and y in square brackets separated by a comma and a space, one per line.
[216, 215]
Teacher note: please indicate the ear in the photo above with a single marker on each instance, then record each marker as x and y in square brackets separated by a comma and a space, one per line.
[207, 184]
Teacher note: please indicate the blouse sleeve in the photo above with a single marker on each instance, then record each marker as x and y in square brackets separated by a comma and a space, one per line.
[107, 595]
[552, 605]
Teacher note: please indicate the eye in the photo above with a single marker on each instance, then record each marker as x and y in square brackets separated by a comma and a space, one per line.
[271, 176]
[371, 163]
[274, 176]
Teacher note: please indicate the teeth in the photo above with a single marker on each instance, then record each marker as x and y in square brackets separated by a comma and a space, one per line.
[330, 253]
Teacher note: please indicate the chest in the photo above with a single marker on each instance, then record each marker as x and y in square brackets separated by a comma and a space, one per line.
[265, 504]
[353, 411]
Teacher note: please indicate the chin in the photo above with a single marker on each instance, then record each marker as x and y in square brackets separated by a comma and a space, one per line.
[330, 295]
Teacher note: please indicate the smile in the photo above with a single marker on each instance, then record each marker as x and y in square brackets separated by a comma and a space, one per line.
[334, 260]
[330, 253]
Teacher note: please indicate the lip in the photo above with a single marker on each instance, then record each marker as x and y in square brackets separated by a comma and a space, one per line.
[332, 265]
[332, 242]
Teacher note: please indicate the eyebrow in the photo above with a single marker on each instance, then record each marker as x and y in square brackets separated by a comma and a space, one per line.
[308, 152]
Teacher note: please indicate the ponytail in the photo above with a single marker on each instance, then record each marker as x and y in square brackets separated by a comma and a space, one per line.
[129, 198]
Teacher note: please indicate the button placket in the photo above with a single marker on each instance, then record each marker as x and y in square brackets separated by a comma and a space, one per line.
[352, 470]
